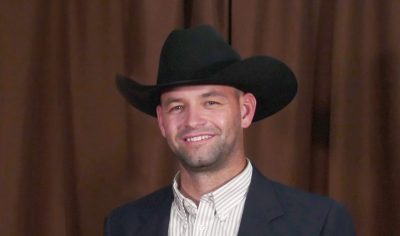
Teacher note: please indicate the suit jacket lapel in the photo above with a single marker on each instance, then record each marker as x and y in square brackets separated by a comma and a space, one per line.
[156, 220]
[260, 208]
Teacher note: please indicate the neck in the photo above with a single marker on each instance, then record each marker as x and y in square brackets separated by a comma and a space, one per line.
[195, 184]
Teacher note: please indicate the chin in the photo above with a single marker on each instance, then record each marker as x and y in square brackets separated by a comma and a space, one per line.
[199, 164]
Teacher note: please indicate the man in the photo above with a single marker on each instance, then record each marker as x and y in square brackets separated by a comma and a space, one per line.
[205, 96]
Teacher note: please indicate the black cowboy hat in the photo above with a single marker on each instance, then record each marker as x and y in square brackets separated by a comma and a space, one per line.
[200, 55]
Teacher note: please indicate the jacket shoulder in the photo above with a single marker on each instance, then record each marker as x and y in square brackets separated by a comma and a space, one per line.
[131, 216]
[146, 203]
[291, 197]
[325, 215]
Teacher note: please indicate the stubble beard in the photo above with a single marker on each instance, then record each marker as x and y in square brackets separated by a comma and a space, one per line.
[203, 158]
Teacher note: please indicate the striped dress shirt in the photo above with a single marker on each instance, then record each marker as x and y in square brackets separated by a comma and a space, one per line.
[218, 213]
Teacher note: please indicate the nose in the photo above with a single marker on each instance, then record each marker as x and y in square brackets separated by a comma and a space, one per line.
[194, 117]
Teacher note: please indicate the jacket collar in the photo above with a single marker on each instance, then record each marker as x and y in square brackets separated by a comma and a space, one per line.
[156, 220]
[260, 208]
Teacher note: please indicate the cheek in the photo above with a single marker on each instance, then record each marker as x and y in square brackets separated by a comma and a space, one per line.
[168, 127]
[227, 120]
[171, 127]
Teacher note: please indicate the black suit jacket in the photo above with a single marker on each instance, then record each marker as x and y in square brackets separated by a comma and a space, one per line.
[270, 209]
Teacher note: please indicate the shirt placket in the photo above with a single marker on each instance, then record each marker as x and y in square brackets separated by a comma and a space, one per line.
[205, 216]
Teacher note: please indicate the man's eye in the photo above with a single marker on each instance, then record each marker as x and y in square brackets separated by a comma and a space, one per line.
[176, 108]
[212, 103]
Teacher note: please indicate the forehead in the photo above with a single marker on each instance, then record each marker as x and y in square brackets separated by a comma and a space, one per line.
[199, 91]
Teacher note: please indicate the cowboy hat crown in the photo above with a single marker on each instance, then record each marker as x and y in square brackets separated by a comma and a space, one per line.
[193, 54]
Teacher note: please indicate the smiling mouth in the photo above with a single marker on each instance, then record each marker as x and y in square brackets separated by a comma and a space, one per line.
[198, 138]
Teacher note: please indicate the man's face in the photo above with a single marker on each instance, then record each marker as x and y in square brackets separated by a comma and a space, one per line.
[204, 124]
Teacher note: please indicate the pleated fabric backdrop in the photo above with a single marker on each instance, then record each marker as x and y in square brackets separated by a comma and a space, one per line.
[71, 148]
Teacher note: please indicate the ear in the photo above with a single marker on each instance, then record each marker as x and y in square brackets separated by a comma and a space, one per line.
[160, 120]
[248, 109]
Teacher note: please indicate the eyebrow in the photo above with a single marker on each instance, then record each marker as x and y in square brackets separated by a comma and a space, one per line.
[213, 94]
[170, 100]
[204, 95]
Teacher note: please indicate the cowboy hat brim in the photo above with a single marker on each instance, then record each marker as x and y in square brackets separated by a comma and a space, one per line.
[269, 80]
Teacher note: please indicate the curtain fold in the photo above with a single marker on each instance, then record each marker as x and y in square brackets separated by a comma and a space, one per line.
[71, 148]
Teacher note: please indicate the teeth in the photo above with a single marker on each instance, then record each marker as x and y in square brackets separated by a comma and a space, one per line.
[197, 138]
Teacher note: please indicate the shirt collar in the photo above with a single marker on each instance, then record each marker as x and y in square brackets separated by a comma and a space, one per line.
[224, 198]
